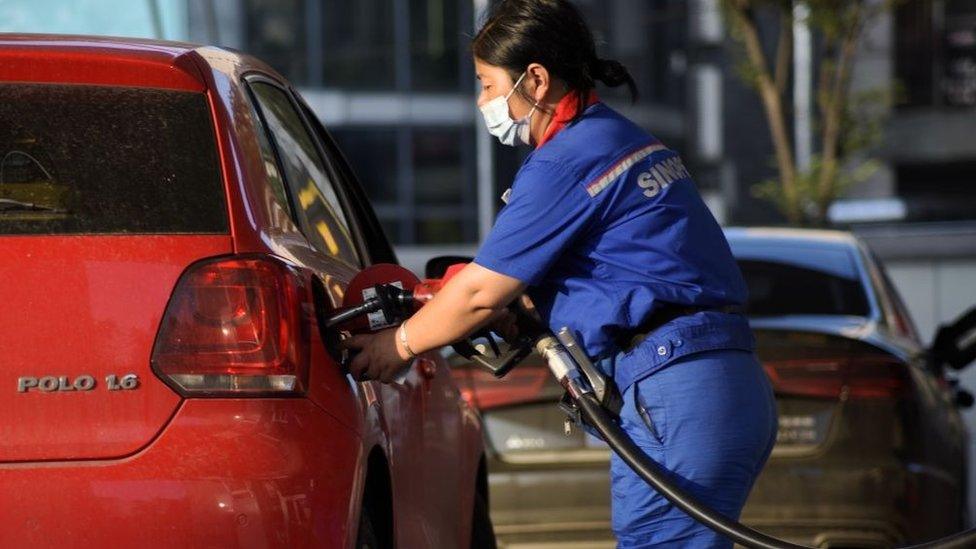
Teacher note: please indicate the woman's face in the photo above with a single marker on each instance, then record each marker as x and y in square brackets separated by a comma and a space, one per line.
[495, 82]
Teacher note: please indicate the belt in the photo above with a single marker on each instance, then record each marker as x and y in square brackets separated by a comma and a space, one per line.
[628, 339]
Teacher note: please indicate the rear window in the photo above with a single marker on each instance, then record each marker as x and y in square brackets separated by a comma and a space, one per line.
[92, 159]
[777, 289]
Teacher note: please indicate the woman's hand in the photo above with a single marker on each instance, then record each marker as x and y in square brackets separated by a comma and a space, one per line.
[379, 357]
[505, 324]
[467, 301]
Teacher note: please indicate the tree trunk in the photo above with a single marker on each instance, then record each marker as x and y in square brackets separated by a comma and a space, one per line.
[772, 102]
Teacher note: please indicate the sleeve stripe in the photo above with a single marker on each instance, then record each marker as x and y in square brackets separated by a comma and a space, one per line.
[620, 167]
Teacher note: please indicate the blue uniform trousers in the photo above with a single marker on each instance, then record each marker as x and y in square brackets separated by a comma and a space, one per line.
[710, 419]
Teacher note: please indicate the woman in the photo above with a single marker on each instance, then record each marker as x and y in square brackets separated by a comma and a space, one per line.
[606, 234]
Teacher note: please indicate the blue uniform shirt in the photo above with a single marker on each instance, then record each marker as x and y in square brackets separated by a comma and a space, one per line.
[604, 224]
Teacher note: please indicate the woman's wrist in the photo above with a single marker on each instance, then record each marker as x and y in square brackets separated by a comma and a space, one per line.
[403, 343]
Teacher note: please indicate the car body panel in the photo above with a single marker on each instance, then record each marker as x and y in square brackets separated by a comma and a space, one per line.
[225, 472]
[87, 305]
[93, 60]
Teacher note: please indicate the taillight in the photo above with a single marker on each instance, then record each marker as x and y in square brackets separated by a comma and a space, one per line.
[859, 377]
[483, 391]
[235, 327]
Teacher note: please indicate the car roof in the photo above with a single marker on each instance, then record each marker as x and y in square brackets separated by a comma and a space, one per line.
[835, 252]
[120, 46]
[162, 54]
[820, 238]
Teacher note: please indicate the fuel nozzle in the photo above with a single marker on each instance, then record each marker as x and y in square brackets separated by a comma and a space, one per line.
[394, 304]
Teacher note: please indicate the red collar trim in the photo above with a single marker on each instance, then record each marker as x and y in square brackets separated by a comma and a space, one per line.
[566, 110]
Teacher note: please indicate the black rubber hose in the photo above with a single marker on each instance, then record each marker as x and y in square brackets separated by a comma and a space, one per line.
[656, 476]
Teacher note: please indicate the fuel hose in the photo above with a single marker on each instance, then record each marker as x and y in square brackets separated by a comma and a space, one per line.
[657, 477]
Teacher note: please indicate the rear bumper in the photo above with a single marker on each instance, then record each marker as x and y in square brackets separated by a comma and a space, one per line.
[850, 504]
[223, 473]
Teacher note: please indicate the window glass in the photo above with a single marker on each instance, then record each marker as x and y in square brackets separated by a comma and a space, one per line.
[275, 31]
[649, 37]
[445, 191]
[434, 45]
[358, 44]
[426, 197]
[318, 208]
[437, 168]
[777, 289]
[372, 153]
[276, 184]
[98, 159]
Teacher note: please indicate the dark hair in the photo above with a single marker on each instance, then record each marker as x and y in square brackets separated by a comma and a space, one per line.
[553, 34]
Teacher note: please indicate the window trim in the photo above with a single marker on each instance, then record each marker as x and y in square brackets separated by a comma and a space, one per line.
[371, 231]
[362, 253]
[292, 210]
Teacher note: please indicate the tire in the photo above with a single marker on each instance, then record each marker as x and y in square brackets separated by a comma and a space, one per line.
[482, 532]
[366, 537]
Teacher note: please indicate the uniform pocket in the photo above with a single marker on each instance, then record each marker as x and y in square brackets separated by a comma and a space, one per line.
[650, 408]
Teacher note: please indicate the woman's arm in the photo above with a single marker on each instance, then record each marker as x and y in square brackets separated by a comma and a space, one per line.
[469, 300]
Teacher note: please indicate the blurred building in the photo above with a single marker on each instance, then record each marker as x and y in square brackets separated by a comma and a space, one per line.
[393, 81]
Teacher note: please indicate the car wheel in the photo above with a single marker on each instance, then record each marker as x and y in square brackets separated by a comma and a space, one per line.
[482, 532]
[366, 537]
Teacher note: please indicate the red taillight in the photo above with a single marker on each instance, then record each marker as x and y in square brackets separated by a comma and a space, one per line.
[483, 391]
[235, 327]
[861, 377]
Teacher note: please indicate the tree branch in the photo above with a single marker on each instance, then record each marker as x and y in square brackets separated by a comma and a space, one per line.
[784, 51]
[836, 101]
[744, 19]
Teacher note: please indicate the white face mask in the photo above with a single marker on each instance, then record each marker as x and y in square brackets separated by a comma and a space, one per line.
[501, 125]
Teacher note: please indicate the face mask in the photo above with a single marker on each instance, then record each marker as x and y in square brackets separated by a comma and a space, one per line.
[501, 125]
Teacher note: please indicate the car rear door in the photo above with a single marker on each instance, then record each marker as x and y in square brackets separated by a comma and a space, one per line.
[107, 194]
[439, 448]
[323, 203]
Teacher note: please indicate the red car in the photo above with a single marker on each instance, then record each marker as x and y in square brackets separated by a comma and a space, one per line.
[173, 222]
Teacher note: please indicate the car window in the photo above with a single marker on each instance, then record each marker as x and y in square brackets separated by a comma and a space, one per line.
[316, 203]
[781, 288]
[363, 217]
[275, 182]
[107, 160]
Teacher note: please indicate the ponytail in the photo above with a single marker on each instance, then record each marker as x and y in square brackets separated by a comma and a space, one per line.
[614, 74]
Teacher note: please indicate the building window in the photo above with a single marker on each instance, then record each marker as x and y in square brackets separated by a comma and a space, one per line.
[275, 33]
[649, 37]
[372, 153]
[935, 53]
[435, 44]
[959, 85]
[358, 43]
[445, 186]
[419, 180]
